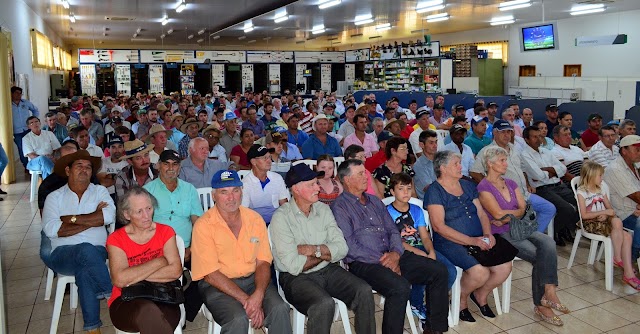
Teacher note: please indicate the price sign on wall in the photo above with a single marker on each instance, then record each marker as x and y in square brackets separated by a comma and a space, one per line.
[247, 77]
[325, 77]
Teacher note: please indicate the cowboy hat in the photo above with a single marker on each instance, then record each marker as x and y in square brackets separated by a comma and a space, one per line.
[155, 129]
[188, 122]
[66, 160]
[135, 148]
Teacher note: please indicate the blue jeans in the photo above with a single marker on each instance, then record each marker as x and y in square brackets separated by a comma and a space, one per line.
[633, 223]
[544, 209]
[87, 263]
[416, 298]
[45, 249]
[42, 164]
[17, 138]
[4, 160]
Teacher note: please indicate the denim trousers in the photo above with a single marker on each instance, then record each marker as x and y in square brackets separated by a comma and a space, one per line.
[86, 263]
[415, 269]
[17, 138]
[561, 196]
[538, 249]
[45, 249]
[312, 295]
[633, 223]
[4, 160]
[544, 209]
[42, 164]
[417, 291]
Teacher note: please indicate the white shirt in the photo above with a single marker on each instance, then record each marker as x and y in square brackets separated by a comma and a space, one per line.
[346, 129]
[469, 114]
[219, 152]
[603, 155]
[467, 156]
[414, 140]
[95, 151]
[44, 144]
[110, 167]
[154, 157]
[109, 127]
[64, 202]
[623, 183]
[264, 201]
[572, 157]
[532, 161]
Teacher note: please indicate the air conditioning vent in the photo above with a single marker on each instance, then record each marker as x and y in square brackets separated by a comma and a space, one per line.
[119, 18]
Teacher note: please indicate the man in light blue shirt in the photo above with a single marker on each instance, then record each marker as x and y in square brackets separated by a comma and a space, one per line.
[178, 201]
[21, 109]
[425, 175]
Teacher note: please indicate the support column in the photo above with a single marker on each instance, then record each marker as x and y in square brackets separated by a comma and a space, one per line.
[6, 117]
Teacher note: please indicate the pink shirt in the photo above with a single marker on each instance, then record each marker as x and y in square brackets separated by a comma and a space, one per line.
[370, 145]
[370, 189]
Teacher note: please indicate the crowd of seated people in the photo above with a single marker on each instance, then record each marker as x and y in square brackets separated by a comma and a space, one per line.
[284, 208]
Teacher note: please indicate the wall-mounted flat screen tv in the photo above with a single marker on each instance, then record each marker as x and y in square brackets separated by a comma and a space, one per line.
[542, 37]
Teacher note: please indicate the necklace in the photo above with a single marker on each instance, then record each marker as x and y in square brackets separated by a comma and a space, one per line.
[501, 186]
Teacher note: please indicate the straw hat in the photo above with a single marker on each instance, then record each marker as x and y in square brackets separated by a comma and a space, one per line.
[188, 122]
[155, 129]
[135, 148]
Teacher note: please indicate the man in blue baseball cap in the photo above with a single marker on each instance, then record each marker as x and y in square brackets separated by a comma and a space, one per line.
[231, 259]
[230, 136]
[477, 139]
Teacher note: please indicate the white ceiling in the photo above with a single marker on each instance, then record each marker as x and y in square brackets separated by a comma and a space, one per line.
[227, 20]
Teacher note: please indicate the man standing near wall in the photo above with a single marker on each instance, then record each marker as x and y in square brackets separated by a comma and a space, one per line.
[21, 109]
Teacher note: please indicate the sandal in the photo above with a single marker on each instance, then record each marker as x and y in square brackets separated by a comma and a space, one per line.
[555, 320]
[621, 266]
[553, 305]
[633, 282]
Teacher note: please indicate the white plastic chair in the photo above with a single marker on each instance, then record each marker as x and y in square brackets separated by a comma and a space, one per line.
[442, 135]
[178, 330]
[408, 312]
[214, 328]
[308, 162]
[57, 304]
[204, 194]
[243, 173]
[595, 241]
[35, 176]
[337, 161]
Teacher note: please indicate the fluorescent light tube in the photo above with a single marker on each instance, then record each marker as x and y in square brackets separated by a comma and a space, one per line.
[182, 6]
[201, 31]
[438, 17]
[587, 9]
[165, 20]
[516, 4]
[281, 19]
[429, 9]
[72, 18]
[329, 3]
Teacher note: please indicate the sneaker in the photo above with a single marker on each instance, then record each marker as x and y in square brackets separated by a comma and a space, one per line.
[420, 312]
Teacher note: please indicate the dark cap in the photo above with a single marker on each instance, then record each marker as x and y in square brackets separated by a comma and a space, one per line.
[284, 110]
[369, 101]
[329, 105]
[456, 128]
[114, 139]
[501, 125]
[492, 105]
[384, 135]
[459, 106]
[116, 119]
[257, 151]
[422, 113]
[300, 173]
[167, 155]
[413, 101]
[275, 137]
[593, 116]
[551, 107]
[438, 106]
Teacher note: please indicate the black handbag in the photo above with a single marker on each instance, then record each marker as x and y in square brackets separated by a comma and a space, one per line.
[502, 252]
[521, 228]
[167, 293]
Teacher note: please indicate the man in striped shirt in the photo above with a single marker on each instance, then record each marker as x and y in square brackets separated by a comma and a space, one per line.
[571, 156]
[604, 151]
[305, 118]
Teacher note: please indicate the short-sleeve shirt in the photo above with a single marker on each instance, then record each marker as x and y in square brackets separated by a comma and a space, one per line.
[139, 253]
[408, 223]
[369, 143]
[215, 247]
[589, 138]
[512, 204]
[244, 159]
[383, 174]
[594, 201]
[44, 144]
[109, 167]
[467, 156]
[264, 198]
[624, 182]
[425, 174]
[572, 157]
[476, 143]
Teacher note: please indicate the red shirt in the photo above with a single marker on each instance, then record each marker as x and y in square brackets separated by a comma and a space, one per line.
[244, 160]
[375, 161]
[406, 132]
[136, 253]
[589, 138]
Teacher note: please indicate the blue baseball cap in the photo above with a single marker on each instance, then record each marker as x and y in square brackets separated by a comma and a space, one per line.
[477, 119]
[300, 173]
[225, 178]
[384, 135]
[501, 125]
[230, 115]
[284, 110]
[614, 122]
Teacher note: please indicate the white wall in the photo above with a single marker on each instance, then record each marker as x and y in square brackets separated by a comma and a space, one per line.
[18, 18]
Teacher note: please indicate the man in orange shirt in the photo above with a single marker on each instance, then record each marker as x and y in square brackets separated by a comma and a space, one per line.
[231, 259]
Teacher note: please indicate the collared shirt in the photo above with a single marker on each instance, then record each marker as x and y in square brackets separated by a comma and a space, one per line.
[183, 146]
[218, 152]
[602, 155]
[467, 156]
[95, 151]
[126, 179]
[176, 136]
[313, 147]
[368, 228]
[140, 129]
[514, 166]
[176, 207]
[96, 131]
[110, 167]
[155, 157]
[201, 178]
[44, 144]
[622, 182]
[370, 145]
[298, 139]
[346, 129]
[21, 111]
[229, 142]
[425, 174]
[257, 128]
[532, 161]
[65, 202]
[215, 248]
[589, 137]
[414, 137]
[572, 157]
[60, 131]
[290, 228]
[264, 200]
[476, 143]
[292, 152]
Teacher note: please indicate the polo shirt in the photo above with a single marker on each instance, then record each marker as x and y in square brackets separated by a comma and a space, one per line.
[425, 174]
[264, 200]
[59, 131]
[476, 143]
[216, 248]
[228, 142]
[95, 151]
[346, 129]
[589, 138]
[602, 155]
[42, 145]
[175, 208]
[257, 128]
[298, 139]
[370, 145]
[201, 178]
[622, 182]
[572, 157]
[96, 131]
[292, 152]
[313, 147]
[218, 152]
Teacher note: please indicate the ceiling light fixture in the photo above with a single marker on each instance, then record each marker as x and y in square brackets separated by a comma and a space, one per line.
[201, 31]
[138, 30]
[165, 20]
[182, 6]
[200, 40]
[502, 20]
[169, 32]
[319, 29]
[72, 18]
[328, 3]
[437, 17]
[587, 9]
[135, 35]
[515, 4]
[248, 27]
[383, 27]
[251, 41]
[163, 36]
[364, 19]
[281, 16]
[430, 6]
[65, 4]
[190, 36]
[216, 37]
[241, 38]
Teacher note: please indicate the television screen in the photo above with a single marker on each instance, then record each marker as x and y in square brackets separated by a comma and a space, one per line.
[538, 38]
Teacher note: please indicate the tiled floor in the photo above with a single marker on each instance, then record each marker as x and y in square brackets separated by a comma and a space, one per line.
[594, 310]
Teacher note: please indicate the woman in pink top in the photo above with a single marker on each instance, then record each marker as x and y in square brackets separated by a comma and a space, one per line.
[357, 152]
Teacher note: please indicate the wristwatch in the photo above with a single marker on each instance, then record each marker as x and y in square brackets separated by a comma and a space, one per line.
[73, 219]
[318, 252]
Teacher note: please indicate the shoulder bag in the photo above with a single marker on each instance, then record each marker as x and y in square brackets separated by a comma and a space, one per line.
[167, 293]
